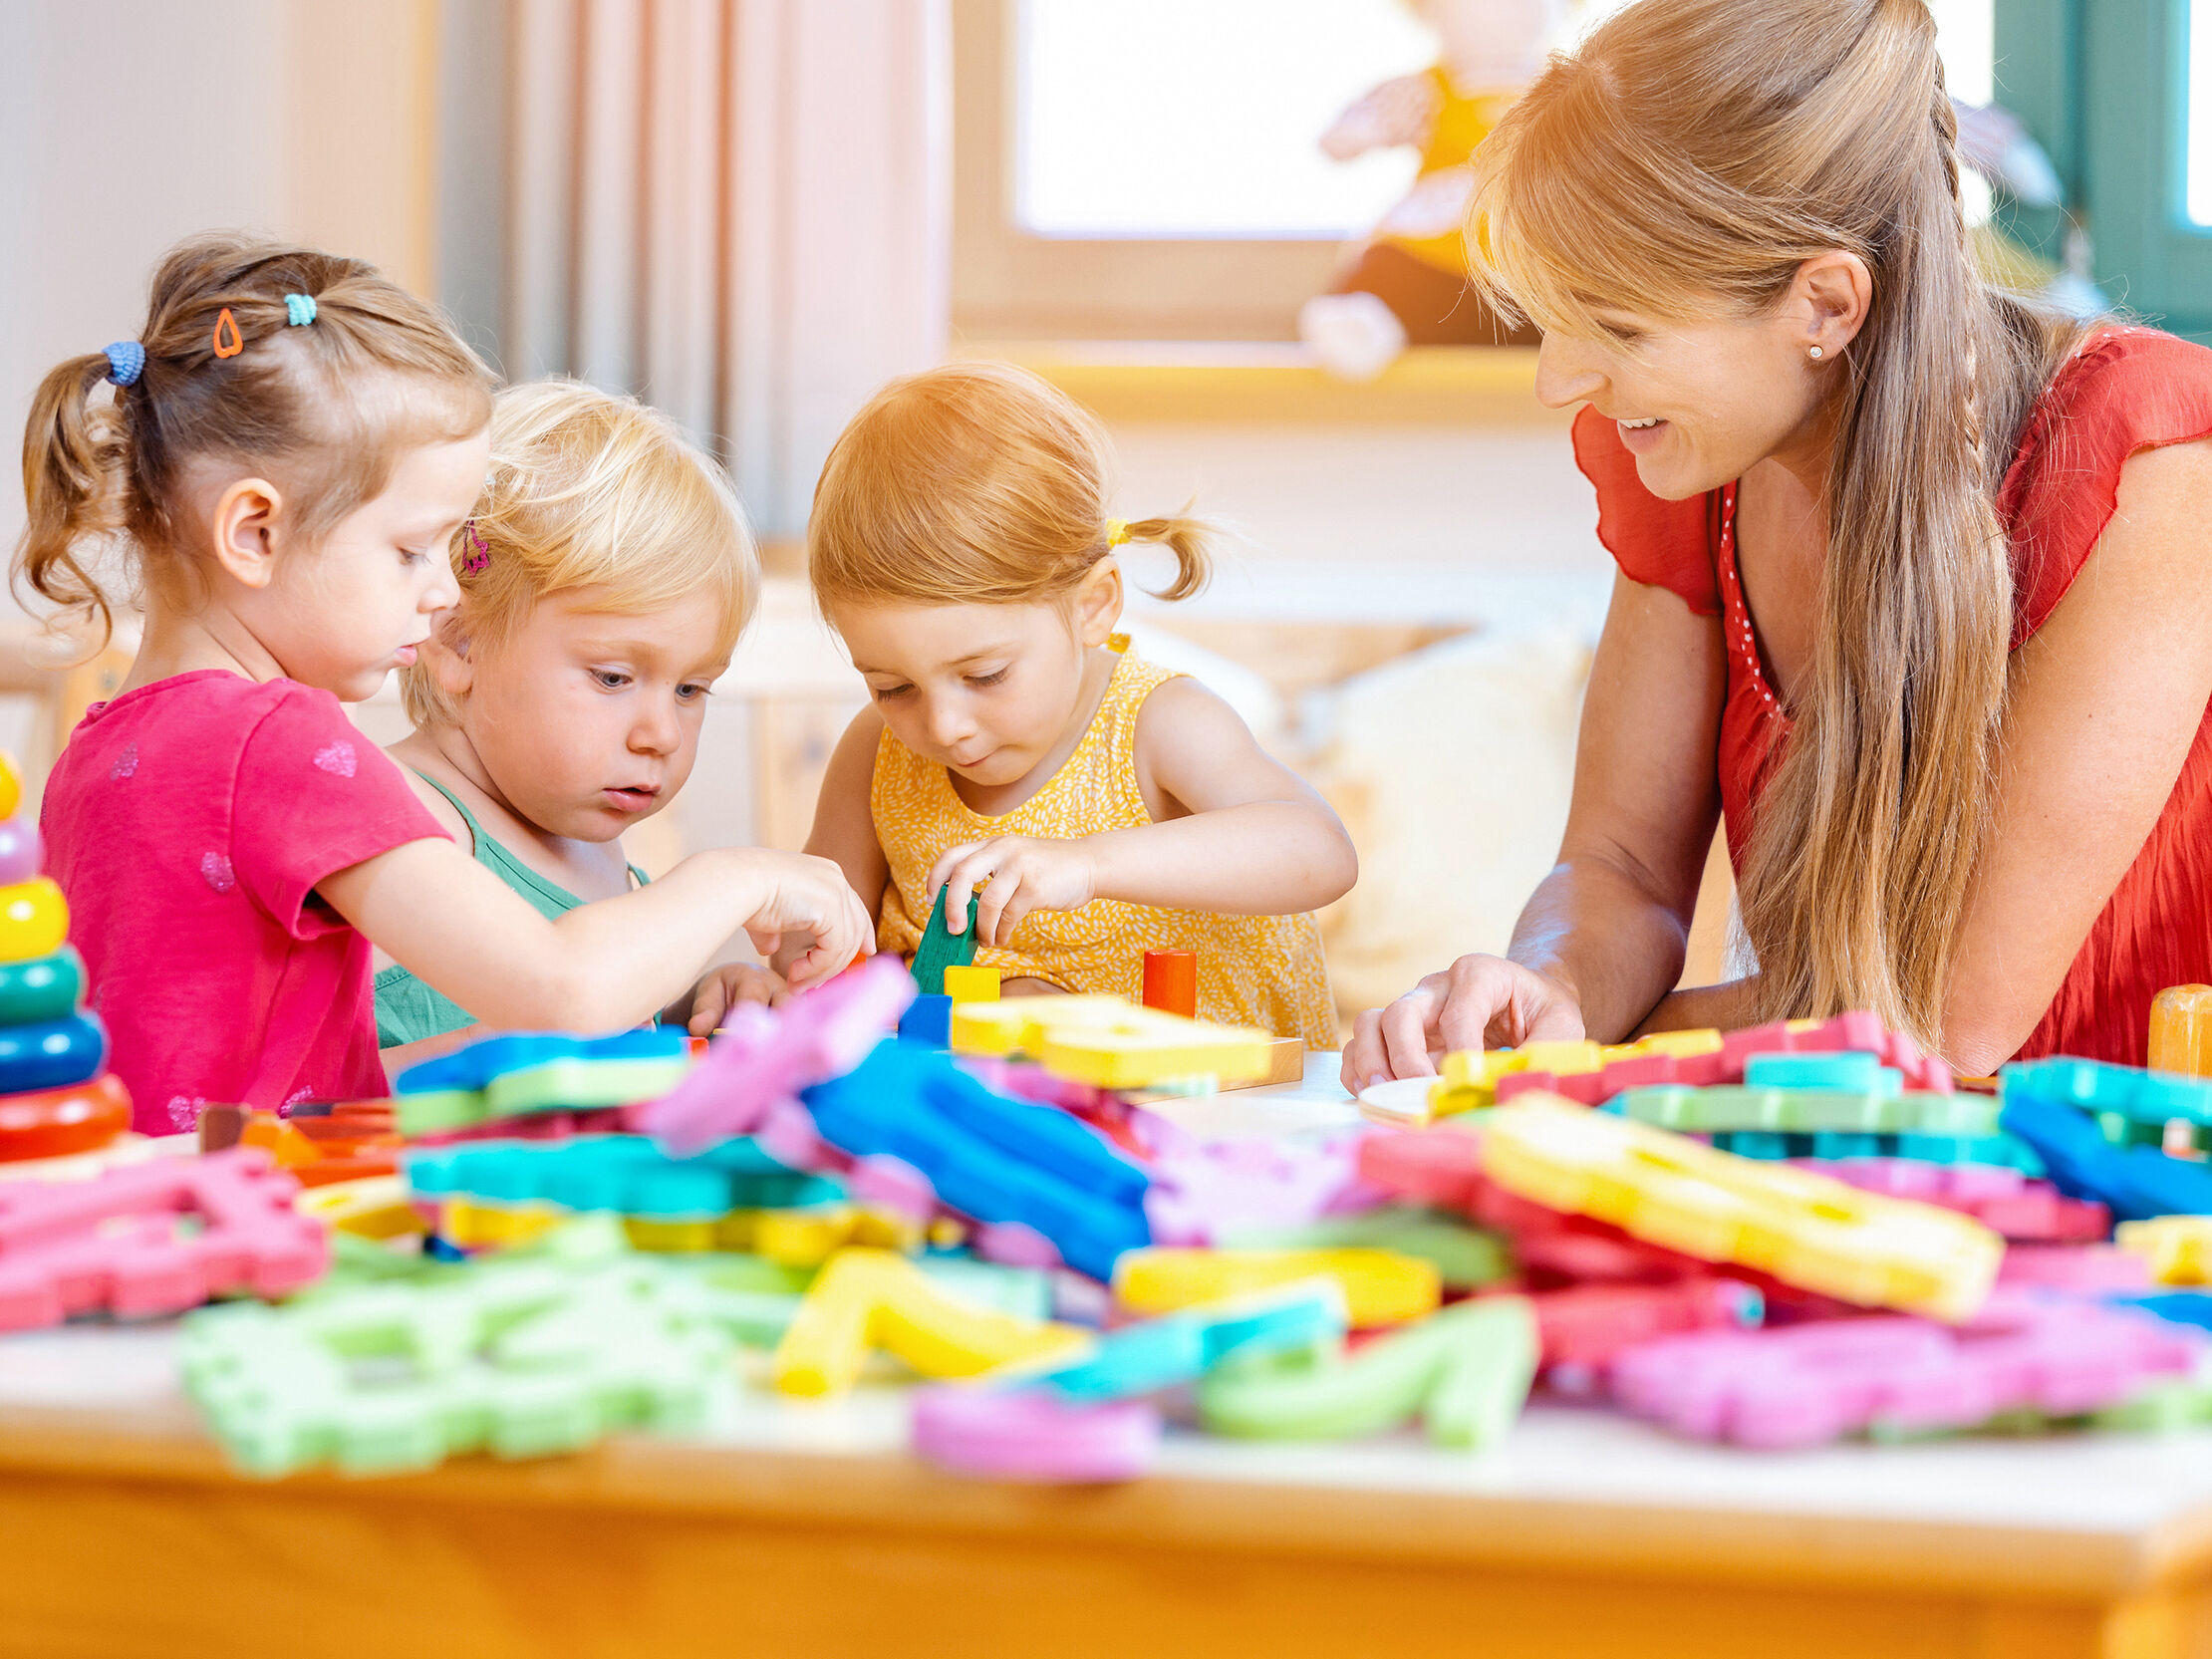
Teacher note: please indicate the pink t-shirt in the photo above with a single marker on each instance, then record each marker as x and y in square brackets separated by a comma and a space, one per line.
[188, 822]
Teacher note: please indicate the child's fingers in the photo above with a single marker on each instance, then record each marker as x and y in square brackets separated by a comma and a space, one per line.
[991, 903]
[708, 1005]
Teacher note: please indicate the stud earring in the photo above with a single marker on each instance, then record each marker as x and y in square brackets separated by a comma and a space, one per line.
[1817, 354]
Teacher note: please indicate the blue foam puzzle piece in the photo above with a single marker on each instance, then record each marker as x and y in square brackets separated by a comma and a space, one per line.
[928, 1020]
[1849, 1069]
[2135, 1182]
[51, 1053]
[2182, 1308]
[995, 1158]
[480, 1064]
[2004, 1151]
[2129, 1092]
[1178, 1348]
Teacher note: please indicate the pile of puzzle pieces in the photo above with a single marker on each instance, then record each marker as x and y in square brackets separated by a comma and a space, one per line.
[1770, 1239]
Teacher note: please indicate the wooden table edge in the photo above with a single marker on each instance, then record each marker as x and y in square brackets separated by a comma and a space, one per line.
[895, 1494]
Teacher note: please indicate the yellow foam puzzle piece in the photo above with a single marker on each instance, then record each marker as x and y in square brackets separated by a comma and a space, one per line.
[1148, 1047]
[1681, 1045]
[1381, 1288]
[1804, 1228]
[1017, 1024]
[375, 1206]
[875, 1298]
[471, 1224]
[1561, 1059]
[2178, 1247]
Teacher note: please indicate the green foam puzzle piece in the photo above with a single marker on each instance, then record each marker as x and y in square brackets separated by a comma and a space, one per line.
[940, 948]
[1734, 1110]
[519, 1359]
[1466, 1257]
[1465, 1371]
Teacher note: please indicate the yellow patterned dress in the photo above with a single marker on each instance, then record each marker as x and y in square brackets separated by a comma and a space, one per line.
[1264, 971]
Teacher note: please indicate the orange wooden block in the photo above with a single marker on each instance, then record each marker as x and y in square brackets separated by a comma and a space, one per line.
[1171, 983]
[2181, 1030]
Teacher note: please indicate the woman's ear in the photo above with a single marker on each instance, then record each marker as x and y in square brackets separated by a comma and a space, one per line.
[1828, 303]
[1098, 600]
[243, 530]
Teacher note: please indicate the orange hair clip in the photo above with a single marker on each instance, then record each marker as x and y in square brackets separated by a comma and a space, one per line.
[225, 322]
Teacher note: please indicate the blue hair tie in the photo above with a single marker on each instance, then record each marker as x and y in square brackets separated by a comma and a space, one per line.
[299, 309]
[126, 361]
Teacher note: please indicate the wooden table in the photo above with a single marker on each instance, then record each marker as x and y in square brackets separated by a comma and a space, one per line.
[802, 1530]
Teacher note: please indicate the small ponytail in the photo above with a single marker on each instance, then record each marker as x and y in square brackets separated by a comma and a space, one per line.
[74, 483]
[1191, 540]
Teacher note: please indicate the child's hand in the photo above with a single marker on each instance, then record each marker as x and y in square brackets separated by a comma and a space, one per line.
[1016, 874]
[729, 985]
[809, 896]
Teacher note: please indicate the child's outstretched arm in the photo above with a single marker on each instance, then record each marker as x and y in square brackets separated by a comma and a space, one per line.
[602, 966]
[844, 828]
[1239, 834]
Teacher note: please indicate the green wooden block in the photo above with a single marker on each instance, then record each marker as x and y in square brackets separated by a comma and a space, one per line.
[940, 948]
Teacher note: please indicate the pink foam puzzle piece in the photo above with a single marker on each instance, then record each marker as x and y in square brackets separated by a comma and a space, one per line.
[1803, 1385]
[765, 1056]
[153, 1238]
[1202, 1188]
[2022, 1209]
[2085, 1269]
[1021, 1434]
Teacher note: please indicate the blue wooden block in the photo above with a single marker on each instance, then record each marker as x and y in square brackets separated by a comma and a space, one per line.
[928, 1020]
[51, 1053]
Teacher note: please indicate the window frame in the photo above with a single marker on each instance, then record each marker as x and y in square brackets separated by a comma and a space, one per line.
[1009, 284]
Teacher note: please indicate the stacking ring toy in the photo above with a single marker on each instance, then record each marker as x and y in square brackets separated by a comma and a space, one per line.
[55, 1123]
[34, 919]
[42, 989]
[50, 1055]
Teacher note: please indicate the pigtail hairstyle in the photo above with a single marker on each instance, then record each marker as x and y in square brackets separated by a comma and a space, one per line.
[324, 409]
[1698, 147]
[977, 483]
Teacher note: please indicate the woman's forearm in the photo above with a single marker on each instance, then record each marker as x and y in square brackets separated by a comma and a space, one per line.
[1596, 929]
[1727, 1006]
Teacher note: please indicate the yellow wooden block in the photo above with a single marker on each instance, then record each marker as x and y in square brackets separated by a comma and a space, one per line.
[971, 985]
[375, 1206]
[2178, 1247]
[872, 1299]
[1017, 1024]
[1804, 1228]
[1561, 1059]
[1381, 1288]
[34, 919]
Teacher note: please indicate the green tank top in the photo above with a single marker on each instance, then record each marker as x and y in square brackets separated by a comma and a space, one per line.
[408, 1010]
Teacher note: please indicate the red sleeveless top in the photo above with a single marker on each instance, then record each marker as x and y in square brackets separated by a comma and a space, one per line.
[2125, 390]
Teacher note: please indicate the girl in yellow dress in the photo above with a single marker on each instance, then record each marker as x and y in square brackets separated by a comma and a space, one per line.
[1097, 805]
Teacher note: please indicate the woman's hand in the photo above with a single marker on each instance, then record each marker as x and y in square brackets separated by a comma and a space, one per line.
[1477, 1002]
[726, 987]
[1015, 874]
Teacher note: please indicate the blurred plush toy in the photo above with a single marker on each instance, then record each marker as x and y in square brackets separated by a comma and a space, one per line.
[1407, 284]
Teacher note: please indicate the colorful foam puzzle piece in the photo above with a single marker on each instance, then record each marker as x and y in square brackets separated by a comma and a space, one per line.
[2135, 1182]
[63, 1121]
[1806, 1110]
[2003, 1200]
[1033, 1435]
[2176, 1249]
[153, 1238]
[1381, 1288]
[1587, 1325]
[1845, 1071]
[1178, 1348]
[2132, 1107]
[1817, 1150]
[987, 1157]
[1803, 1229]
[2082, 1270]
[1804, 1385]
[520, 1361]
[765, 1056]
[2181, 1030]
[521, 1074]
[1111, 1044]
[1466, 1257]
[940, 948]
[1465, 1371]
[1201, 1187]
[865, 1300]
[1017, 1025]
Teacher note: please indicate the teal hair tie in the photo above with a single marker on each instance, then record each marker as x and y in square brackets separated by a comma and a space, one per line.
[299, 309]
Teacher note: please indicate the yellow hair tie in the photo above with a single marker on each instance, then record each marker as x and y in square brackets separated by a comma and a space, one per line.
[1117, 531]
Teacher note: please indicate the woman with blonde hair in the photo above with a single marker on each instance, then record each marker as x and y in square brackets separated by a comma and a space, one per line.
[1912, 590]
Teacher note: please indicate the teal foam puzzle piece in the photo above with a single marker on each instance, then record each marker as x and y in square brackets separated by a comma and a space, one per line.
[623, 1173]
[1465, 1371]
[517, 1073]
[940, 948]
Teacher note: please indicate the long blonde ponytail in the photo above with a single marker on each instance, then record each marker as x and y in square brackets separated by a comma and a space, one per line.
[1702, 148]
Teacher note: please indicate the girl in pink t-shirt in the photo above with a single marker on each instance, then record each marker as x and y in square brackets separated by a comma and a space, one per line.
[292, 444]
